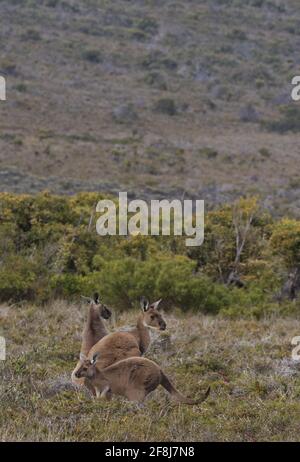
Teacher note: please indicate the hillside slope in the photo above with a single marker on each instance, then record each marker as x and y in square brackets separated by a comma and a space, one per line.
[158, 98]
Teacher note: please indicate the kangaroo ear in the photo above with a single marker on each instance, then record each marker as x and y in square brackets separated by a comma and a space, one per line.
[95, 357]
[96, 298]
[155, 304]
[144, 304]
[82, 357]
[87, 299]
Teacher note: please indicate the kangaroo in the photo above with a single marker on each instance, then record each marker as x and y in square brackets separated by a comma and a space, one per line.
[134, 378]
[121, 345]
[93, 331]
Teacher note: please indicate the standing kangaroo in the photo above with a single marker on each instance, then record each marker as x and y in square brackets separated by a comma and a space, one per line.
[93, 331]
[133, 378]
[121, 345]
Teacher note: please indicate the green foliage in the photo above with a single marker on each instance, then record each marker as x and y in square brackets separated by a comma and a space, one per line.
[166, 106]
[92, 55]
[156, 80]
[222, 227]
[50, 248]
[32, 35]
[208, 152]
[148, 25]
[17, 276]
[285, 242]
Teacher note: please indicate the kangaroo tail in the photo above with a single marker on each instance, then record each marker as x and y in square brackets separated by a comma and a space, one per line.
[165, 382]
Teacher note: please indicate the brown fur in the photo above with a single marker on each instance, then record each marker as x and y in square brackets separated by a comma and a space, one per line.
[134, 378]
[121, 345]
[94, 330]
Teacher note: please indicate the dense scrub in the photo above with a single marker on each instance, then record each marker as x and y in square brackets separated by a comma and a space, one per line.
[248, 264]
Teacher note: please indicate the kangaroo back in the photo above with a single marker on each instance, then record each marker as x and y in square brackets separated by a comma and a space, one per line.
[114, 347]
[166, 383]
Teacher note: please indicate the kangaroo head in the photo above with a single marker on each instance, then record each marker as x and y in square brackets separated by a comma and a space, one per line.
[100, 310]
[152, 317]
[87, 367]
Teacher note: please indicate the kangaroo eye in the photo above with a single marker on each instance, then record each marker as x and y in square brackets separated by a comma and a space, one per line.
[152, 317]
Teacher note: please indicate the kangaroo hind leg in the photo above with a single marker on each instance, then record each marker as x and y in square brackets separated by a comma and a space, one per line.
[135, 394]
[106, 393]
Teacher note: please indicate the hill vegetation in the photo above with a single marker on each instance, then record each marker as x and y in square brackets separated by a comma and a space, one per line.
[157, 98]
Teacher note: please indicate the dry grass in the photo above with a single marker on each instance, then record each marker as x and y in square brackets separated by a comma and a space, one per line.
[255, 384]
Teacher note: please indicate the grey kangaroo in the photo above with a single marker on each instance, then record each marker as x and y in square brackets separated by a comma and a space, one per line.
[120, 345]
[134, 378]
[94, 330]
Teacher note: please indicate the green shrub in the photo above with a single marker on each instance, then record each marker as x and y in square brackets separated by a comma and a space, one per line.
[17, 278]
[21, 87]
[50, 248]
[208, 152]
[32, 35]
[93, 56]
[138, 34]
[148, 25]
[158, 60]
[238, 34]
[285, 242]
[166, 106]
[156, 80]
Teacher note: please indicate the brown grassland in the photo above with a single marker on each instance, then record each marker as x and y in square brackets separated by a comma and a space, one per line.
[255, 383]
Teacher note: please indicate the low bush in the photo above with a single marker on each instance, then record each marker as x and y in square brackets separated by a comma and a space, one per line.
[50, 249]
[93, 56]
[166, 106]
